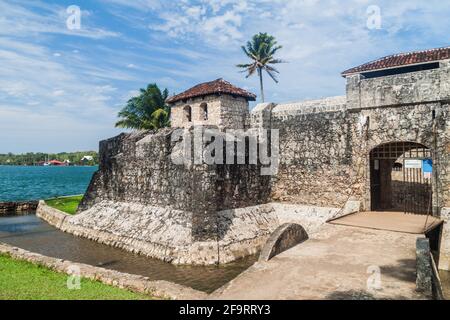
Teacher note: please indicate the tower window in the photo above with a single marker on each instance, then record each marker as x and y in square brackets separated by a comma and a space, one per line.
[203, 112]
[188, 114]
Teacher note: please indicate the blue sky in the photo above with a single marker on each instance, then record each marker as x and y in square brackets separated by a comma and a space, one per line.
[61, 89]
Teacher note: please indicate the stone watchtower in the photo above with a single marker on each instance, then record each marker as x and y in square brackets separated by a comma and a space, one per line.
[217, 103]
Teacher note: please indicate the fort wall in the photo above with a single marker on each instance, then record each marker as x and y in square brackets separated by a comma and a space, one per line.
[324, 162]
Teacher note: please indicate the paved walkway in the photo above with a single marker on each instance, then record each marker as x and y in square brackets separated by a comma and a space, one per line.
[393, 221]
[333, 264]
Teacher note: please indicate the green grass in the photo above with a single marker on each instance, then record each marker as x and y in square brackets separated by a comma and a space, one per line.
[21, 280]
[66, 204]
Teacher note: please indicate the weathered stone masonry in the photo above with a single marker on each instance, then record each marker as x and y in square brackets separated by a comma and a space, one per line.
[138, 168]
[218, 213]
[316, 153]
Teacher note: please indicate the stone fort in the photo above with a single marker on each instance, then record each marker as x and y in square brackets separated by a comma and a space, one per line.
[365, 151]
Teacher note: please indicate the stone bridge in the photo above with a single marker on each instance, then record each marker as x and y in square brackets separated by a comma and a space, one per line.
[336, 263]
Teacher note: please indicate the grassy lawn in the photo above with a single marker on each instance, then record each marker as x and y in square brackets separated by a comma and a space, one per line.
[66, 204]
[21, 280]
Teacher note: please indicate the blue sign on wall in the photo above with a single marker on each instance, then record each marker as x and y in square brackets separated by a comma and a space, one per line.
[427, 166]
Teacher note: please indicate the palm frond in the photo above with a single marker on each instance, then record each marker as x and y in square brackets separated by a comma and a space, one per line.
[274, 49]
[261, 50]
[271, 69]
[247, 53]
[139, 113]
[276, 61]
[244, 65]
[270, 73]
[251, 70]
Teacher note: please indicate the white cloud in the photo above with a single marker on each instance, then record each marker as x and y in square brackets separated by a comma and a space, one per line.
[320, 38]
[178, 44]
[136, 4]
[18, 20]
[58, 93]
[49, 92]
[216, 22]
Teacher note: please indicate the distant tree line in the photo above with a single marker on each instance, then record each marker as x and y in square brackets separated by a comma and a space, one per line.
[31, 159]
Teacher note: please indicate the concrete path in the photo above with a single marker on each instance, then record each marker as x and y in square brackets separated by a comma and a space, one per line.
[393, 221]
[333, 264]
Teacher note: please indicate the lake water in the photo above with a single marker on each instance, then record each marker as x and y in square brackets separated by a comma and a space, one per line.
[34, 183]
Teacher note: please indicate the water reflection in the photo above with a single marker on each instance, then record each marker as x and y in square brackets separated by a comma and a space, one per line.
[31, 233]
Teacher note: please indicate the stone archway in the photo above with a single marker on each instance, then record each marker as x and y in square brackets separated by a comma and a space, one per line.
[401, 178]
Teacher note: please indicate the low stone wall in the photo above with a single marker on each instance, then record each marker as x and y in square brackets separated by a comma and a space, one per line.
[309, 217]
[424, 281]
[438, 293]
[284, 238]
[135, 283]
[427, 281]
[165, 233]
[51, 215]
[444, 255]
[23, 207]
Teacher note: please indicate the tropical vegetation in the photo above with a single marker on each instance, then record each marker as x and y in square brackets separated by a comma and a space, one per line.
[261, 50]
[147, 111]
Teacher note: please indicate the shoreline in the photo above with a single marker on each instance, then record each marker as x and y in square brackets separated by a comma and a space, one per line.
[26, 206]
[135, 283]
[29, 165]
[19, 202]
[18, 207]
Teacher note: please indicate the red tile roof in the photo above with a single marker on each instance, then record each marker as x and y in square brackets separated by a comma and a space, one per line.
[401, 60]
[218, 86]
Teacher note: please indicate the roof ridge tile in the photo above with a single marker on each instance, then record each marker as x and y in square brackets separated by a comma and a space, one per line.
[218, 86]
[402, 59]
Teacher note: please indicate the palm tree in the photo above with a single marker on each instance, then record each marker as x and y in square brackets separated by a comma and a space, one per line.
[148, 111]
[261, 49]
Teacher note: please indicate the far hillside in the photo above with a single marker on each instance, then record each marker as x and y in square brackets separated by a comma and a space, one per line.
[79, 158]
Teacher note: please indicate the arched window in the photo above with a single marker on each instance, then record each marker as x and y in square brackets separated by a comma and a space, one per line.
[203, 112]
[188, 114]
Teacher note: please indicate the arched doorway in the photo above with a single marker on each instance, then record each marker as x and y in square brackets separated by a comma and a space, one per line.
[401, 178]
